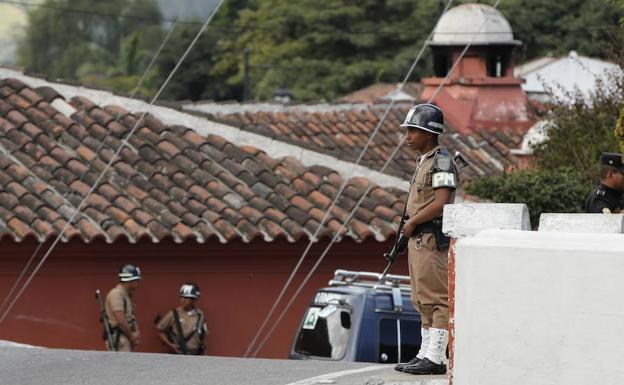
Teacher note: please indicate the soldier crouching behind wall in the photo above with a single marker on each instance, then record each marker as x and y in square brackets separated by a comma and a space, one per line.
[432, 186]
[183, 329]
[121, 311]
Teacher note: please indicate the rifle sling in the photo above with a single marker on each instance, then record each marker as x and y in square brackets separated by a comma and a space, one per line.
[181, 340]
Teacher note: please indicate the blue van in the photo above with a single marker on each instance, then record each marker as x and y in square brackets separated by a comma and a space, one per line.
[359, 318]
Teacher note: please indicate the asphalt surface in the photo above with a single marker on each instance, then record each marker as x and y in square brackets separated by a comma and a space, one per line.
[34, 366]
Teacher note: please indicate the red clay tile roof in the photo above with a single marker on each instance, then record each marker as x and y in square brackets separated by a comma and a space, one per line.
[170, 182]
[342, 131]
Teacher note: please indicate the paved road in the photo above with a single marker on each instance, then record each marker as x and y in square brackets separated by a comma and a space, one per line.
[69, 367]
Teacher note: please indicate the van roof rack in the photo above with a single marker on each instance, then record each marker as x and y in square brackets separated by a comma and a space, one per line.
[369, 279]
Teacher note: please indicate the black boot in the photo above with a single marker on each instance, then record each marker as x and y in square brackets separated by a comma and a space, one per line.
[425, 366]
[413, 361]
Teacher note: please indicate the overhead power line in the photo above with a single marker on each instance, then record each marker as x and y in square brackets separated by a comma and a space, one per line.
[357, 205]
[335, 200]
[124, 143]
[88, 167]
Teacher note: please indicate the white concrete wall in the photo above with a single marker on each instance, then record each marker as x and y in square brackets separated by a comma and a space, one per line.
[582, 223]
[467, 219]
[537, 308]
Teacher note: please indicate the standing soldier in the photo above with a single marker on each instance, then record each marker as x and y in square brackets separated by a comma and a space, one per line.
[183, 329]
[607, 198]
[121, 311]
[432, 186]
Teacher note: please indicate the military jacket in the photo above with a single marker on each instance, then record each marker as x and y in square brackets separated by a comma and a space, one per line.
[118, 300]
[435, 169]
[604, 200]
[193, 328]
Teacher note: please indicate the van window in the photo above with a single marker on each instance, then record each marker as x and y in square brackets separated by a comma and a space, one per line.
[325, 332]
[389, 340]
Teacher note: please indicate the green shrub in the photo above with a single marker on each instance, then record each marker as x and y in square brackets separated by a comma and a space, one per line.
[561, 190]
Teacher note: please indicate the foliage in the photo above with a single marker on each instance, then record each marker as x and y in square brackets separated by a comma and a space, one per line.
[94, 44]
[555, 191]
[567, 166]
[589, 27]
[320, 49]
[195, 79]
[324, 49]
[583, 129]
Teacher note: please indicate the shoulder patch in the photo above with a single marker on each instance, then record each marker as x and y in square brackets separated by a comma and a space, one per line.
[442, 161]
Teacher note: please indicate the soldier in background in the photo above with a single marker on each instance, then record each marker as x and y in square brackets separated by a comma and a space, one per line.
[121, 311]
[183, 329]
[608, 197]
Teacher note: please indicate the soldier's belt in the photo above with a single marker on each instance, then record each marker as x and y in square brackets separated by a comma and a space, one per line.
[427, 227]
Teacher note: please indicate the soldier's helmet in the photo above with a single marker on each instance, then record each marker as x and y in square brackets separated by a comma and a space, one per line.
[129, 273]
[426, 117]
[190, 290]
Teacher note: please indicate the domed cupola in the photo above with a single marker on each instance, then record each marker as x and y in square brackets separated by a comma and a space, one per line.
[481, 92]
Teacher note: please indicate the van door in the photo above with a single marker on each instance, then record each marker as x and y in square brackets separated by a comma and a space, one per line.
[399, 340]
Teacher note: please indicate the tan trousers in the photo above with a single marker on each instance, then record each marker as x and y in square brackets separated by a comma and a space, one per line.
[428, 270]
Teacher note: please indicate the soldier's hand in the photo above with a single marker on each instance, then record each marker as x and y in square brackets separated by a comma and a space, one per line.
[176, 348]
[136, 339]
[408, 228]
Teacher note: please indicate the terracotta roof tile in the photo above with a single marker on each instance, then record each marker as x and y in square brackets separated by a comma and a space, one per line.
[171, 183]
[225, 229]
[19, 228]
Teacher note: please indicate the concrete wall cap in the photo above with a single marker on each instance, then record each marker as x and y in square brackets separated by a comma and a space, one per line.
[582, 223]
[467, 219]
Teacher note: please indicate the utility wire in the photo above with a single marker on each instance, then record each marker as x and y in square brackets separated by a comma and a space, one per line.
[342, 187]
[112, 160]
[364, 195]
[88, 167]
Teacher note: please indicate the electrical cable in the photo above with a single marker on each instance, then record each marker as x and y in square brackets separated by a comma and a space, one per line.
[342, 187]
[113, 158]
[88, 167]
[364, 195]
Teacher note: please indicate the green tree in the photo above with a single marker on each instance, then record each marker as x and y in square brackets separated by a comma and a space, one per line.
[195, 79]
[560, 190]
[566, 164]
[83, 39]
[323, 49]
[320, 49]
[589, 27]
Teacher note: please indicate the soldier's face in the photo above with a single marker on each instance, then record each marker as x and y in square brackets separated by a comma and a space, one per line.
[618, 180]
[187, 303]
[417, 139]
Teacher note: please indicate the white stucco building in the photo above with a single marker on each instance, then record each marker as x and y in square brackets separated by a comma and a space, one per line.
[556, 78]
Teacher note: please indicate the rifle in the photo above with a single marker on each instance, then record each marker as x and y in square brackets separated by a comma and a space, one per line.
[181, 341]
[104, 321]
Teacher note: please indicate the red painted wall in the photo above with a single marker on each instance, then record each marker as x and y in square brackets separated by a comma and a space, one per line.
[239, 283]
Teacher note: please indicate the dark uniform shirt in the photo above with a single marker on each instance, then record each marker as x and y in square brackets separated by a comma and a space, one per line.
[605, 200]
